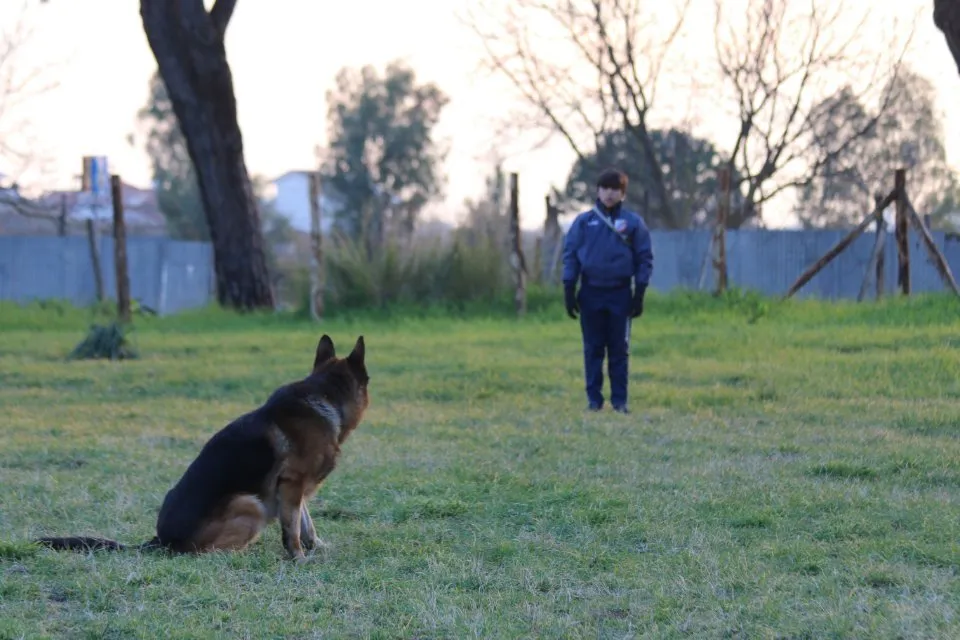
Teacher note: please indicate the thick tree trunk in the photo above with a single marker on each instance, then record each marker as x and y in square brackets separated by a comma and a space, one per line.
[188, 44]
[946, 16]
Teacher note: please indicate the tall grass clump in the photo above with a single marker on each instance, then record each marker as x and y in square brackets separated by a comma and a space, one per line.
[452, 273]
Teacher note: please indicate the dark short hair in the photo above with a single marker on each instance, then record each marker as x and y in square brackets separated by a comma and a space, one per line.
[613, 179]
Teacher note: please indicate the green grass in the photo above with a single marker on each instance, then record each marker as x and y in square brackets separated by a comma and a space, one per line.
[789, 471]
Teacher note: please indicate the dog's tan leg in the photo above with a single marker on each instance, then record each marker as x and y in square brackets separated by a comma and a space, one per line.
[290, 516]
[308, 533]
[240, 524]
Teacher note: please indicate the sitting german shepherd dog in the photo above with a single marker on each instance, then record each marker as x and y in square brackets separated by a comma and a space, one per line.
[266, 464]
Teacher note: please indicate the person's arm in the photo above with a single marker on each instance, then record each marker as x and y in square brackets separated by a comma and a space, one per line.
[642, 256]
[571, 244]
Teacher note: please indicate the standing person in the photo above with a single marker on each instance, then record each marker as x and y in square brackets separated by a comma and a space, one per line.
[608, 248]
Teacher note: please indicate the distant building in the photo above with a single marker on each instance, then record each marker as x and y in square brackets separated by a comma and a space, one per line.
[952, 221]
[291, 199]
[71, 209]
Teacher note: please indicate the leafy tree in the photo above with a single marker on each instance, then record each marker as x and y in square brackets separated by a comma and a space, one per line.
[175, 180]
[908, 133]
[382, 158]
[174, 177]
[187, 41]
[688, 171]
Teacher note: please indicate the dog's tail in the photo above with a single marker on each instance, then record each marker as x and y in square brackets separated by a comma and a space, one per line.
[89, 543]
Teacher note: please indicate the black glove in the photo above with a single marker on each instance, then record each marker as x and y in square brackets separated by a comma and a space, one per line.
[637, 310]
[570, 300]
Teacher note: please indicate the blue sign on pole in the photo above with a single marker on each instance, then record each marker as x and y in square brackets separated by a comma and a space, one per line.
[96, 175]
[99, 176]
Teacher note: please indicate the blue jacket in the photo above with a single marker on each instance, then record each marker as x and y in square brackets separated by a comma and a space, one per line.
[593, 252]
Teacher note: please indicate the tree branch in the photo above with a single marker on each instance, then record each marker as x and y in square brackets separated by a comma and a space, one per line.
[592, 70]
[946, 17]
[778, 63]
[220, 14]
[26, 208]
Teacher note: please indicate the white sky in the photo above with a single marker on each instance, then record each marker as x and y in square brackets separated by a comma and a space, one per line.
[284, 55]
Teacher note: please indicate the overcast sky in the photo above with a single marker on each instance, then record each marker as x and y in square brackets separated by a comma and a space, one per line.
[284, 55]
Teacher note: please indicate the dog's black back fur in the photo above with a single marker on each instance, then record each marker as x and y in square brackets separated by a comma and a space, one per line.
[234, 460]
[240, 458]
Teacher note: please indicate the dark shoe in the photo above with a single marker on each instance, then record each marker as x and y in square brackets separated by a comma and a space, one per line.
[593, 407]
[622, 409]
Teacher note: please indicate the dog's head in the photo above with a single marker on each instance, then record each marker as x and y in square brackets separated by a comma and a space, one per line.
[352, 369]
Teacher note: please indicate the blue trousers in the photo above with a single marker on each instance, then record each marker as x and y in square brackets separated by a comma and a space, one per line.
[605, 325]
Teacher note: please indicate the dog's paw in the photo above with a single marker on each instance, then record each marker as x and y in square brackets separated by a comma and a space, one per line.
[314, 543]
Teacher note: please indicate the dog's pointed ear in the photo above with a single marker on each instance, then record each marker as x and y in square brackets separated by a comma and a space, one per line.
[325, 351]
[356, 356]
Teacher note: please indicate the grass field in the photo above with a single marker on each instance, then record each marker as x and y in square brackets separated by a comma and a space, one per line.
[787, 472]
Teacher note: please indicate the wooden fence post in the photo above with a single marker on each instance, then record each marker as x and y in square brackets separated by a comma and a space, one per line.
[882, 256]
[876, 256]
[95, 258]
[62, 218]
[517, 261]
[120, 250]
[720, 231]
[316, 249]
[902, 227]
[552, 242]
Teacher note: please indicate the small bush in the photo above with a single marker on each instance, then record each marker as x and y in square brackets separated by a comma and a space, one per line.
[105, 342]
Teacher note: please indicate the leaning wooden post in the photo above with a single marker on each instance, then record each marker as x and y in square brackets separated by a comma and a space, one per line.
[720, 231]
[706, 262]
[876, 254]
[516, 248]
[903, 245]
[840, 246]
[935, 255]
[120, 250]
[316, 249]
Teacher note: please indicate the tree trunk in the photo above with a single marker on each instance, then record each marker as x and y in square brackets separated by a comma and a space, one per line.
[946, 16]
[656, 172]
[188, 44]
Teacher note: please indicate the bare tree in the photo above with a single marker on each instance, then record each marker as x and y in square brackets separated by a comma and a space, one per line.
[946, 16]
[187, 41]
[909, 135]
[778, 62]
[594, 67]
[20, 84]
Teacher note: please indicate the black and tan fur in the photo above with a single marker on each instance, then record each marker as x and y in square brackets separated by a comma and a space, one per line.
[264, 465]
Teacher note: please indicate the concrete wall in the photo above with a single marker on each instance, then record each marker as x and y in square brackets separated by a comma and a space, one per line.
[165, 275]
[170, 276]
[771, 261]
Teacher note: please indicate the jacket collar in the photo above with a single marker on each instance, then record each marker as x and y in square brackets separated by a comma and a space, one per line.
[612, 212]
